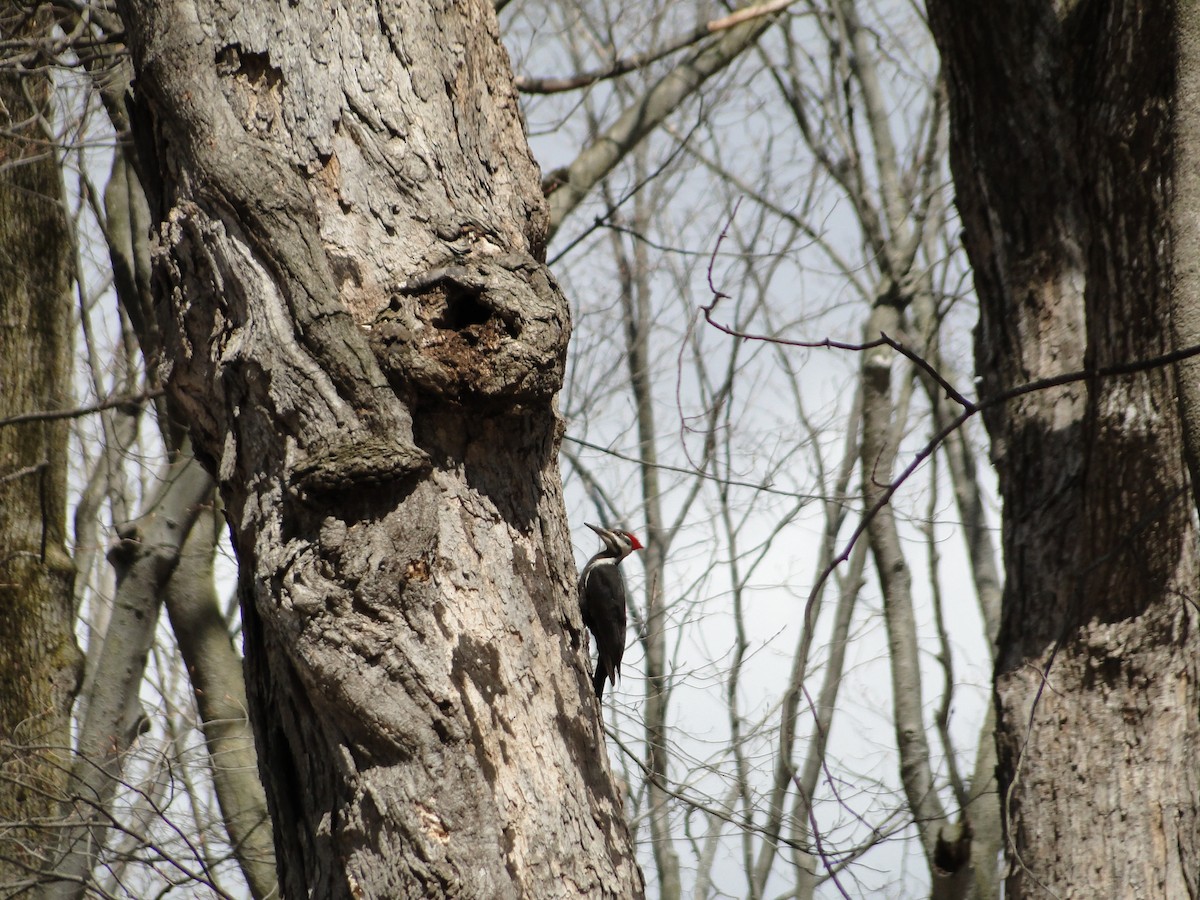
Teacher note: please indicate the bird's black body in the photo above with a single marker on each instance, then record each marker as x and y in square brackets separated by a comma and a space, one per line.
[604, 616]
[602, 602]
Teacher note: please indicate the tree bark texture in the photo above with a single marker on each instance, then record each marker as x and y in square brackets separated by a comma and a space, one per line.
[39, 661]
[1185, 232]
[1062, 150]
[367, 345]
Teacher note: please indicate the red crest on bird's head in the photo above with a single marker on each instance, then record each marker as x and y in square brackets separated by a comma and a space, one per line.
[619, 542]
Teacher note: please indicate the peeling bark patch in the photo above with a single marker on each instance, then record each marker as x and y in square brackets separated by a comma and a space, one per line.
[432, 822]
[257, 85]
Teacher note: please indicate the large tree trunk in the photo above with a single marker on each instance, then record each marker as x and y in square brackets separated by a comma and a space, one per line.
[367, 344]
[1062, 152]
[39, 661]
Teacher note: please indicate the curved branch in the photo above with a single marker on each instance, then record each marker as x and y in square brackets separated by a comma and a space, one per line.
[530, 85]
[639, 120]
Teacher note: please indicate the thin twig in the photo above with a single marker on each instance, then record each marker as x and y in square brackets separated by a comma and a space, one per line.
[50, 415]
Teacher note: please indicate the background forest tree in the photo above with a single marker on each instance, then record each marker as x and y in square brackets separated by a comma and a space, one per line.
[769, 380]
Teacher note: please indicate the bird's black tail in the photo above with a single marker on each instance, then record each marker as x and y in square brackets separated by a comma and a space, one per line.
[598, 682]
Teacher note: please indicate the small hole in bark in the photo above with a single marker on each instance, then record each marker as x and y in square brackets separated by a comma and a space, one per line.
[462, 311]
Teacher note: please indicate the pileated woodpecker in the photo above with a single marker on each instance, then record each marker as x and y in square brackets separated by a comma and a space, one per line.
[602, 601]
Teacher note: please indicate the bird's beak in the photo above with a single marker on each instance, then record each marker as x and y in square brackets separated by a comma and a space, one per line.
[596, 528]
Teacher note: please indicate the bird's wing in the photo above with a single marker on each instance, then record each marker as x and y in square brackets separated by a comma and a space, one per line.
[605, 615]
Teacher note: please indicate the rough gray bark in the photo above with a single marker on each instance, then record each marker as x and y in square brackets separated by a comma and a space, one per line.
[1062, 152]
[39, 661]
[1185, 233]
[367, 345]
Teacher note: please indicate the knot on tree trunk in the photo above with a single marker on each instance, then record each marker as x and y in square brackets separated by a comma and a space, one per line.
[355, 460]
[489, 332]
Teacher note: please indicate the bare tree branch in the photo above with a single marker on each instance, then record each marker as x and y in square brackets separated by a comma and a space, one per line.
[126, 401]
[643, 117]
[530, 85]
